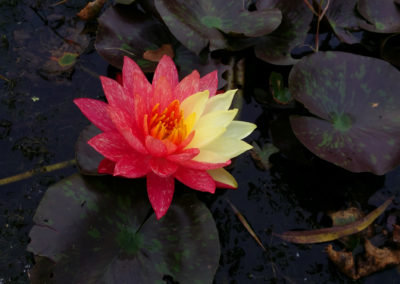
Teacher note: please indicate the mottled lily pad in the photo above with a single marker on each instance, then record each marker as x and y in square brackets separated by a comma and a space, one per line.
[128, 31]
[355, 99]
[197, 23]
[87, 159]
[344, 20]
[382, 16]
[97, 230]
[275, 48]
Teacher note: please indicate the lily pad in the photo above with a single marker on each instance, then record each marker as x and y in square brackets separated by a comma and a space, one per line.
[275, 48]
[197, 23]
[96, 230]
[129, 31]
[355, 99]
[87, 159]
[344, 20]
[383, 16]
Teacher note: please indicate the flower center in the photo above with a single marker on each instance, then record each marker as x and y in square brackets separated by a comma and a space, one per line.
[168, 124]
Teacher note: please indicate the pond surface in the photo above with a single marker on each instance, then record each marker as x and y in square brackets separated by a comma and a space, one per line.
[39, 125]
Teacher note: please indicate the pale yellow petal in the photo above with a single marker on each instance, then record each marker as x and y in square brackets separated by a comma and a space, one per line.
[195, 104]
[205, 135]
[220, 102]
[228, 147]
[216, 119]
[223, 176]
[239, 129]
[209, 157]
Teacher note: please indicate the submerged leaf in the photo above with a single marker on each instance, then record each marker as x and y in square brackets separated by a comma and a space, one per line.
[280, 93]
[97, 230]
[91, 10]
[330, 234]
[358, 123]
[261, 155]
[67, 59]
[155, 55]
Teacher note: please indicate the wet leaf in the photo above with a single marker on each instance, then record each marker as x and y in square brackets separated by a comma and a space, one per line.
[96, 230]
[390, 50]
[382, 16]
[198, 23]
[67, 59]
[358, 124]
[155, 55]
[375, 259]
[87, 159]
[344, 20]
[91, 10]
[278, 90]
[330, 234]
[261, 155]
[129, 31]
[276, 47]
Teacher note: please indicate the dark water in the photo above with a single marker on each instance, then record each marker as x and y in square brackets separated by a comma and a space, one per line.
[39, 126]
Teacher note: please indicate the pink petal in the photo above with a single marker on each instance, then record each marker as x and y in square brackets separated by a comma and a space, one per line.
[111, 145]
[116, 95]
[196, 179]
[187, 140]
[209, 82]
[121, 118]
[134, 80]
[160, 191]
[162, 167]
[204, 166]
[162, 93]
[106, 166]
[185, 155]
[97, 112]
[132, 166]
[155, 146]
[187, 86]
[223, 185]
[171, 147]
[166, 68]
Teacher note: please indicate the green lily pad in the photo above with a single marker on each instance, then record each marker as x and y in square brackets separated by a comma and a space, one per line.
[355, 99]
[279, 92]
[344, 20]
[128, 31]
[97, 230]
[197, 23]
[87, 158]
[383, 16]
[275, 48]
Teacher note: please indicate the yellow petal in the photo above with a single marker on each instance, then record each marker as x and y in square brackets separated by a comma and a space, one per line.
[239, 129]
[221, 175]
[216, 119]
[205, 135]
[195, 104]
[228, 147]
[209, 157]
[220, 102]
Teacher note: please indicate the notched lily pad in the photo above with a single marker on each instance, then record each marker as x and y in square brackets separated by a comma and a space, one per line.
[382, 16]
[197, 23]
[356, 103]
[96, 230]
[128, 31]
[87, 158]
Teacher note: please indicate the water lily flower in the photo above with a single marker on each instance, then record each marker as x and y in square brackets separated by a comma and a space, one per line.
[166, 130]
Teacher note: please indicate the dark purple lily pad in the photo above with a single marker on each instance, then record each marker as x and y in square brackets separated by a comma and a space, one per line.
[355, 99]
[96, 230]
[382, 16]
[87, 158]
[344, 20]
[197, 23]
[275, 48]
[390, 50]
[127, 31]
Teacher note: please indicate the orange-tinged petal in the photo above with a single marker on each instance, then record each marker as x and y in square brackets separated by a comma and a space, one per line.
[165, 68]
[196, 179]
[160, 191]
[97, 112]
[209, 82]
[162, 94]
[187, 86]
[134, 80]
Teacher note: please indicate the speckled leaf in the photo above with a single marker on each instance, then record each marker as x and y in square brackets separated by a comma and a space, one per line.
[390, 50]
[275, 48]
[128, 31]
[381, 16]
[87, 159]
[357, 104]
[197, 23]
[344, 20]
[96, 230]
